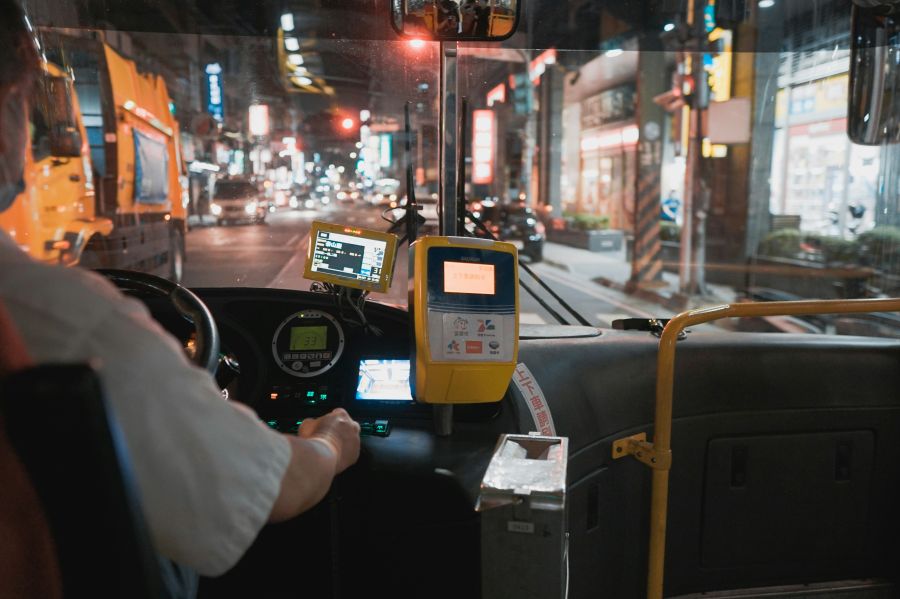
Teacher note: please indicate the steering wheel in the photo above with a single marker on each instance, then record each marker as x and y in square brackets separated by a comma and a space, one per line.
[185, 302]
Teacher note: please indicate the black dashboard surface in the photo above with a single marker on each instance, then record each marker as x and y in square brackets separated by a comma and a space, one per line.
[402, 521]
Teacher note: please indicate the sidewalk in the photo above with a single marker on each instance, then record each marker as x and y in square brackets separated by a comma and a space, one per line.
[611, 269]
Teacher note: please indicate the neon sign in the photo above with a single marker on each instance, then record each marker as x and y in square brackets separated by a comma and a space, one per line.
[214, 105]
[483, 147]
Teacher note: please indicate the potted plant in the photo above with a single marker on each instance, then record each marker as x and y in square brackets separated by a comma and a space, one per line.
[589, 232]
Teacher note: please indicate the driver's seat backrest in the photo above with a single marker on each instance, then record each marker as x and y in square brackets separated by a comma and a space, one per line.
[28, 565]
[57, 423]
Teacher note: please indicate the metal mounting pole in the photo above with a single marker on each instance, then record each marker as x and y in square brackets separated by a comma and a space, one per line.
[449, 146]
[448, 142]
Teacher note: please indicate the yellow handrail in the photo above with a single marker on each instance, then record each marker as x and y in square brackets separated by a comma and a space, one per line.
[665, 381]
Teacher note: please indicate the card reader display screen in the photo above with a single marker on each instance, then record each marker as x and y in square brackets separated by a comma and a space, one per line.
[467, 277]
[383, 380]
[348, 257]
[309, 338]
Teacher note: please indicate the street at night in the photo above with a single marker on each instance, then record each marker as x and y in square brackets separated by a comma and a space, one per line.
[544, 299]
[272, 254]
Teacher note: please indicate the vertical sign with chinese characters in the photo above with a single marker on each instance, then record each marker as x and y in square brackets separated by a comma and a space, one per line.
[483, 147]
[214, 98]
[534, 398]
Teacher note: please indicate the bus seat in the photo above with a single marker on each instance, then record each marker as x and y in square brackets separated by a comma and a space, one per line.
[57, 423]
[28, 564]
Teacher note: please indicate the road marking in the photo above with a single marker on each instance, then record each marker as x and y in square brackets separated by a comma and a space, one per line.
[291, 274]
[589, 288]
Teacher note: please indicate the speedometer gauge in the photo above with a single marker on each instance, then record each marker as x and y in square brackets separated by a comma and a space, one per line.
[308, 343]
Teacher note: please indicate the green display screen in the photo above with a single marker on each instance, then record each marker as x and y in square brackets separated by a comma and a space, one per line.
[303, 338]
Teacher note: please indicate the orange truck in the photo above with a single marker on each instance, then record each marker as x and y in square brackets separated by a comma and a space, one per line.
[105, 183]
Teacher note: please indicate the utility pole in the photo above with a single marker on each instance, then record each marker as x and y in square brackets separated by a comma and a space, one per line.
[691, 271]
[646, 262]
[530, 131]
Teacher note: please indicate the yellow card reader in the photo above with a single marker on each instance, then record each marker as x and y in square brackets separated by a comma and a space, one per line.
[350, 256]
[464, 294]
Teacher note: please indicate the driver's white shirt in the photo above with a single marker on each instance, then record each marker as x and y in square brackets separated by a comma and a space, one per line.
[208, 472]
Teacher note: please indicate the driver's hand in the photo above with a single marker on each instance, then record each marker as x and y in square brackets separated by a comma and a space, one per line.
[337, 429]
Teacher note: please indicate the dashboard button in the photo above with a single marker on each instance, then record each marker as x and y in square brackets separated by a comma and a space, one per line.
[297, 365]
[377, 428]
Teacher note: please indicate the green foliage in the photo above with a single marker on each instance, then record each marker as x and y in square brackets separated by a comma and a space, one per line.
[794, 244]
[784, 243]
[589, 222]
[880, 248]
[837, 250]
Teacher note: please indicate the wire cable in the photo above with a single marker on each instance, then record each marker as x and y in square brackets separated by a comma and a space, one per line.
[581, 320]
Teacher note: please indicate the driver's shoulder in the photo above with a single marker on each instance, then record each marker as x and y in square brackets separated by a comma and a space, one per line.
[63, 294]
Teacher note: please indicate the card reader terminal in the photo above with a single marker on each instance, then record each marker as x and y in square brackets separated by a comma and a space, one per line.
[465, 297]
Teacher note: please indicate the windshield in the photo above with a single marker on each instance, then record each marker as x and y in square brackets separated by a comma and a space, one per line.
[644, 158]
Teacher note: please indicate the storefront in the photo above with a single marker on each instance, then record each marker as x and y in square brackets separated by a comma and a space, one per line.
[817, 174]
[604, 184]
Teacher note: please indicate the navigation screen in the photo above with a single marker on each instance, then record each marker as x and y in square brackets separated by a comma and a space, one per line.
[309, 338]
[467, 277]
[383, 380]
[348, 257]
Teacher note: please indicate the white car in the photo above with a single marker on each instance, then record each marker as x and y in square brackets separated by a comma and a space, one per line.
[237, 200]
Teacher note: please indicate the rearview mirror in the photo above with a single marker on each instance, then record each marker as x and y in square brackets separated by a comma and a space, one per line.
[873, 115]
[456, 20]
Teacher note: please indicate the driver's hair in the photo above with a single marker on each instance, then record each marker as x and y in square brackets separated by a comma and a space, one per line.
[19, 61]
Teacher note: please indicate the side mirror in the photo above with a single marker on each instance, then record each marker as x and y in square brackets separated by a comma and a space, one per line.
[873, 112]
[456, 20]
[65, 142]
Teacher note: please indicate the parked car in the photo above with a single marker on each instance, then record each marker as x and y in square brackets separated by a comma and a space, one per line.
[516, 223]
[237, 200]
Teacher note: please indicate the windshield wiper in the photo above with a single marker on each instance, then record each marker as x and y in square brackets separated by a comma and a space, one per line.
[578, 317]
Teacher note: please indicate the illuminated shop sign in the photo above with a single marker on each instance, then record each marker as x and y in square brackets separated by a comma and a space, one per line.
[610, 106]
[483, 147]
[215, 101]
[607, 139]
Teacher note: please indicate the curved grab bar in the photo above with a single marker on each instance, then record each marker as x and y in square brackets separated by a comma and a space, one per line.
[657, 455]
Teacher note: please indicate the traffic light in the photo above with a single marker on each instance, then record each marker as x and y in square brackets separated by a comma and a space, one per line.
[345, 125]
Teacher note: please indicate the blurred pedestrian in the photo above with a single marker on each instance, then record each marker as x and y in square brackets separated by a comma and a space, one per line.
[469, 11]
[671, 206]
[448, 17]
[482, 18]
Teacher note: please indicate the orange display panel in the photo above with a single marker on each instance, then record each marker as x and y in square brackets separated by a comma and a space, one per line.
[465, 277]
